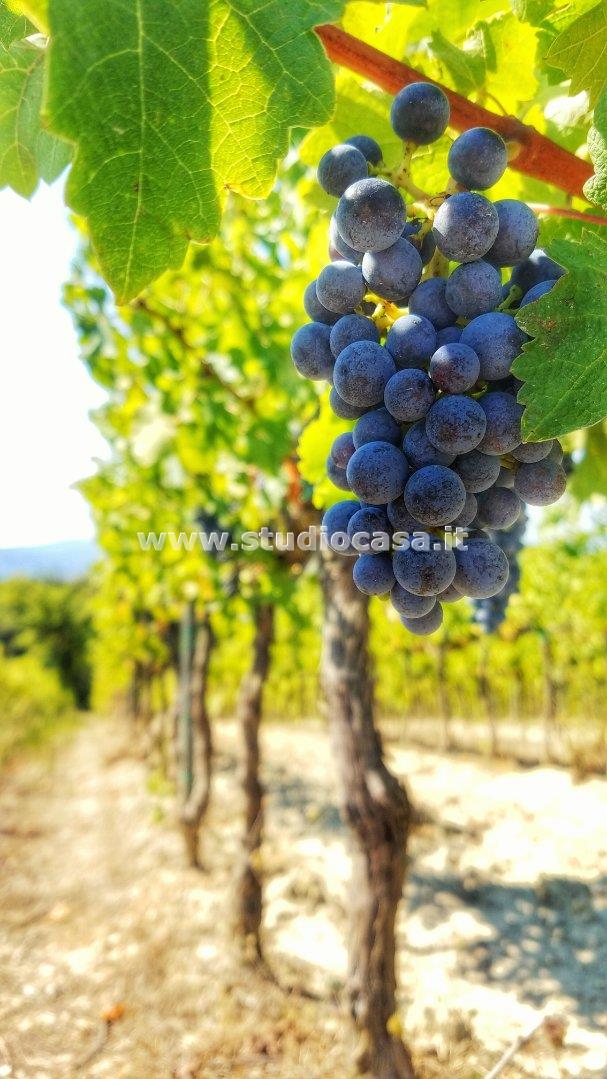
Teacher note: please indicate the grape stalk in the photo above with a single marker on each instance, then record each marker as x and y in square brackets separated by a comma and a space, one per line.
[412, 325]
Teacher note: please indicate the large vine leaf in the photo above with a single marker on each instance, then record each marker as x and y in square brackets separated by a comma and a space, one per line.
[595, 188]
[581, 52]
[36, 11]
[590, 476]
[28, 153]
[564, 367]
[13, 26]
[168, 105]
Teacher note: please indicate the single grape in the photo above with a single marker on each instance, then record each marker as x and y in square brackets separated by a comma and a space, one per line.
[420, 113]
[449, 336]
[434, 495]
[361, 373]
[369, 148]
[473, 289]
[536, 292]
[530, 452]
[377, 473]
[342, 409]
[411, 341]
[517, 233]
[427, 246]
[373, 574]
[556, 453]
[538, 267]
[419, 450]
[427, 624]
[337, 241]
[505, 476]
[342, 449]
[367, 521]
[336, 521]
[409, 394]
[424, 573]
[468, 513]
[503, 414]
[429, 300]
[454, 368]
[335, 256]
[482, 568]
[456, 424]
[351, 328]
[407, 604]
[478, 471]
[400, 518]
[497, 340]
[341, 166]
[478, 158]
[540, 483]
[450, 595]
[337, 475]
[315, 310]
[311, 352]
[499, 508]
[376, 426]
[465, 227]
[340, 286]
[394, 272]
[371, 215]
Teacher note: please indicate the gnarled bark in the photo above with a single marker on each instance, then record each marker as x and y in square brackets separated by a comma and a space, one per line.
[249, 896]
[197, 740]
[378, 814]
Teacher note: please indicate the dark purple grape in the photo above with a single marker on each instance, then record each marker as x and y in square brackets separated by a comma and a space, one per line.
[371, 215]
[377, 473]
[361, 373]
[505, 476]
[536, 292]
[450, 595]
[478, 158]
[427, 246]
[408, 605]
[454, 368]
[427, 624]
[434, 495]
[530, 452]
[517, 234]
[503, 414]
[540, 483]
[342, 409]
[315, 310]
[311, 352]
[497, 341]
[449, 336]
[538, 267]
[342, 449]
[337, 241]
[400, 518]
[409, 394]
[337, 475]
[340, 286]
[373, 574]
[368, 521]
[468, 513]
[424, 573]
[456, 424]
[341, 166]
[420, 113]
[351, 328]
[499, 508]
[473, 289]
[336, 521]
[369, 148]
[429, 300]
[482, 568]
[376, 426]
[478, 471]
[411, 341]
[393, 273]
[419, 449]
[465, 227]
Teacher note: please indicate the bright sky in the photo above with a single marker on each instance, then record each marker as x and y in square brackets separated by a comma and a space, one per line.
[47, 441]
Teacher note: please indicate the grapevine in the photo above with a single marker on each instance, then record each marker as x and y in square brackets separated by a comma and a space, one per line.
[413, 326]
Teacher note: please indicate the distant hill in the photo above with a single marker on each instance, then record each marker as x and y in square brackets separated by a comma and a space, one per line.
[63, 561]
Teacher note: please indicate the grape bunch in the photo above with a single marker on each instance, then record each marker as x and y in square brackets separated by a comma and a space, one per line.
[412, 325]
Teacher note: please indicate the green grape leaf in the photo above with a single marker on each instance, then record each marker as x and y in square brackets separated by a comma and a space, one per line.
[465, 68]
[590, 476]
[13, 27]
[581, 52]
[564, 367]
[174, 104]
[36, 11]
[595, 188]
[28, 153]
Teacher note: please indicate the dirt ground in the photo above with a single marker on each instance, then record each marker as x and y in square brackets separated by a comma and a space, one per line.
[117, 961]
